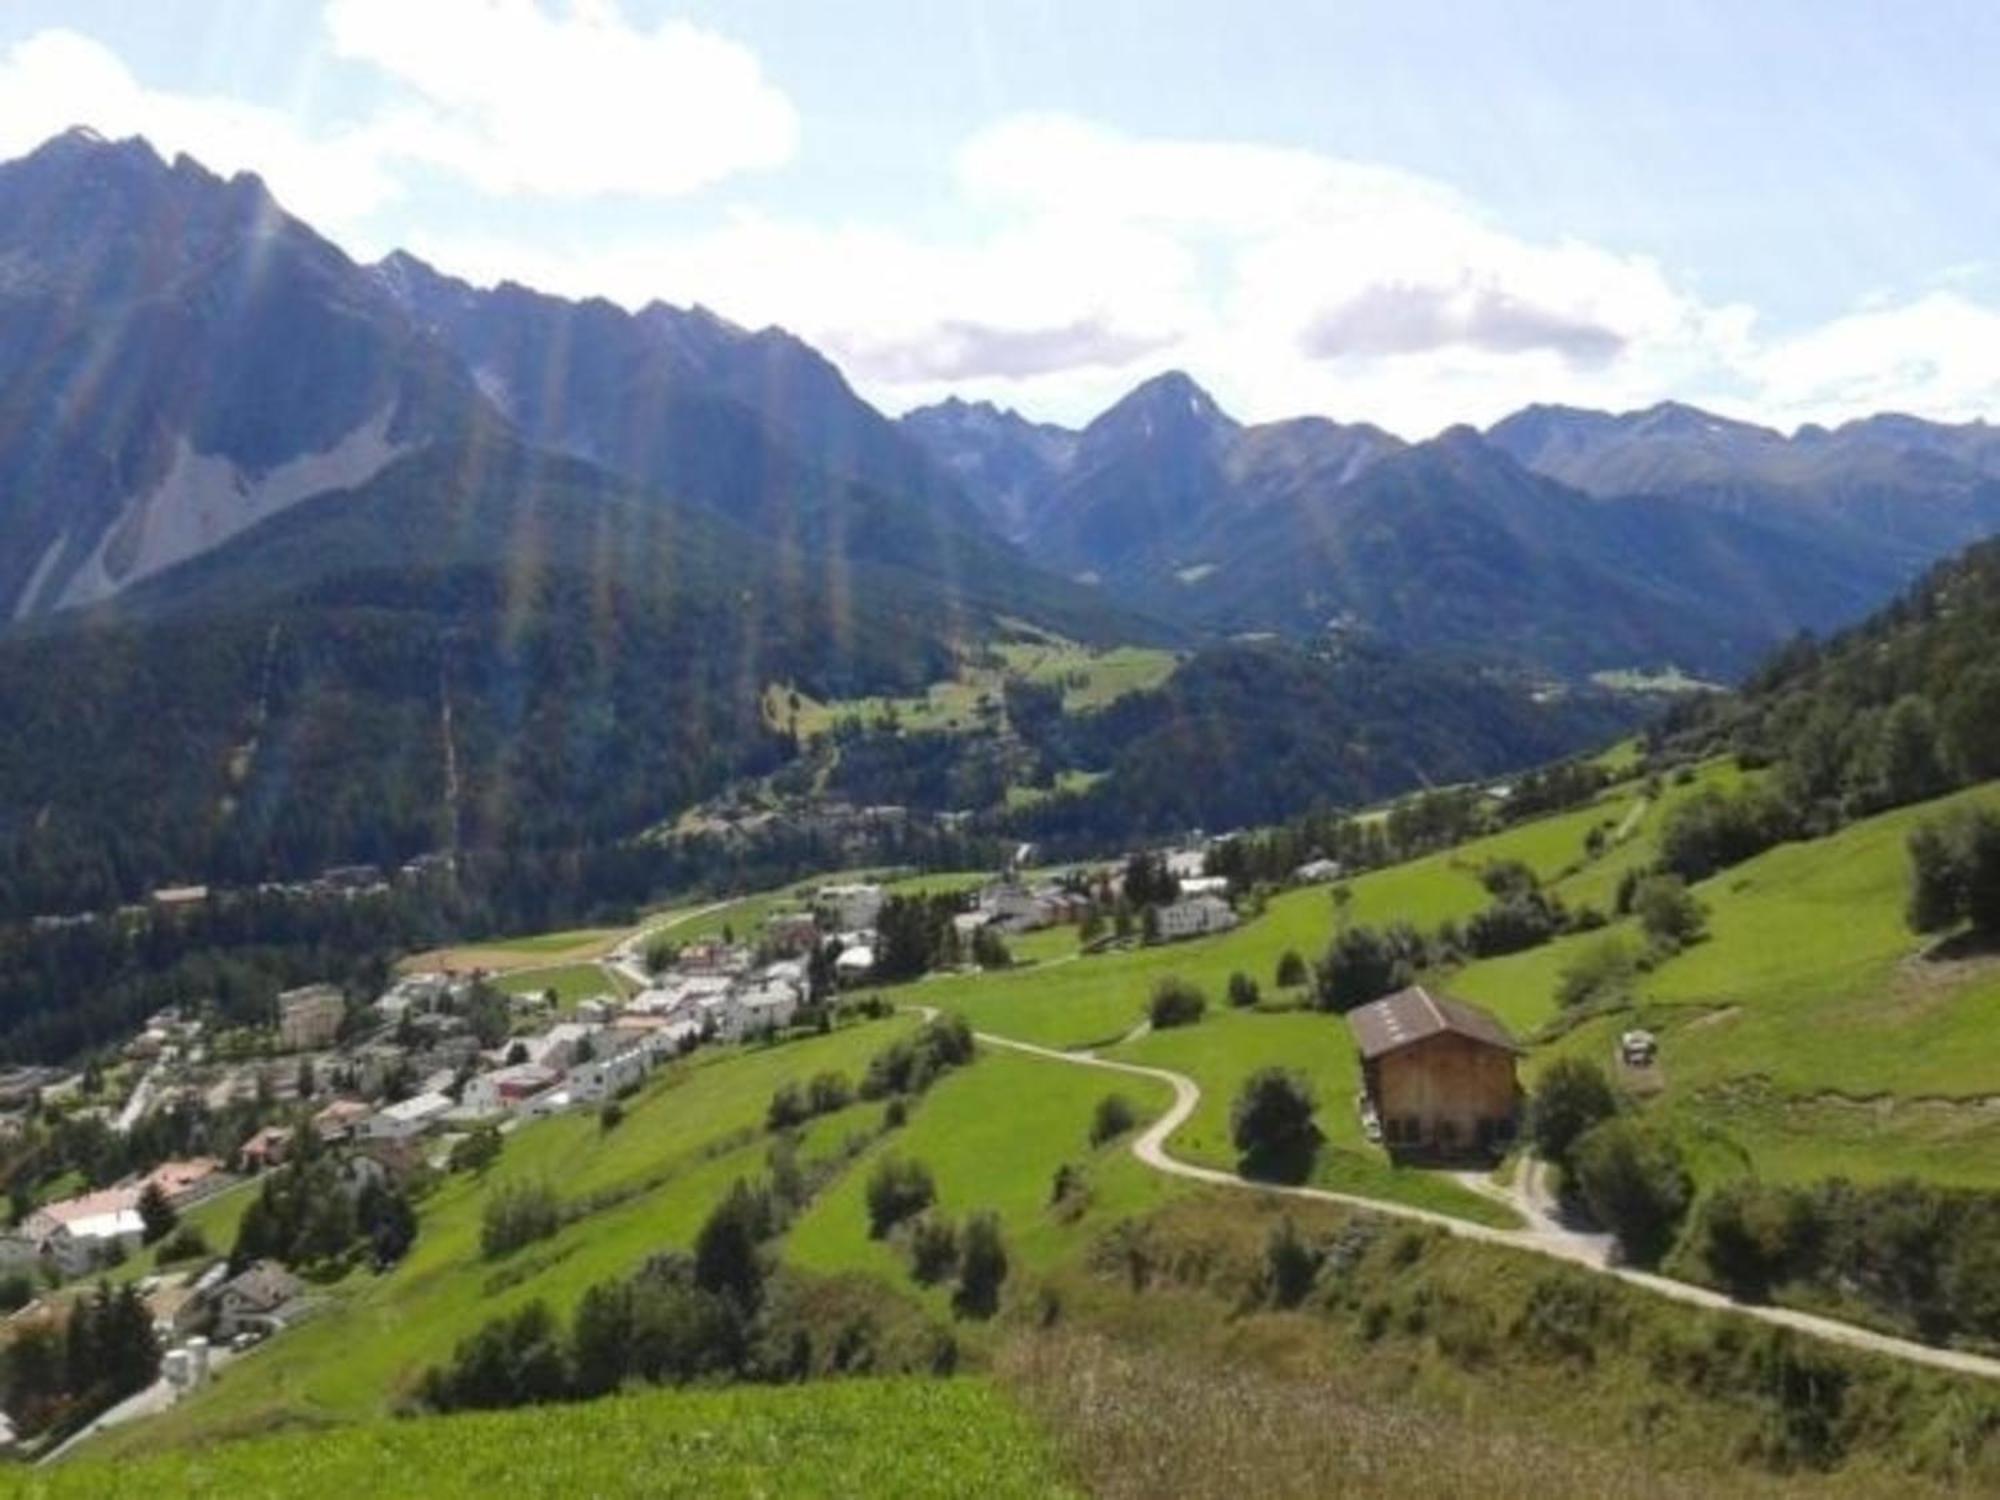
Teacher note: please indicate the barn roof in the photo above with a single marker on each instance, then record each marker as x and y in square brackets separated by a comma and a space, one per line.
[1415, 1015]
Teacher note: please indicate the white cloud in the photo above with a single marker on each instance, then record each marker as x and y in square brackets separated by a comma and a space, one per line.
[513, 98]
[1288, 280]
[1938, 356]
[55, 79]
[584, 104]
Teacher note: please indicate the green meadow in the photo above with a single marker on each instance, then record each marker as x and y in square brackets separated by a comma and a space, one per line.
[1090, 679]
[993, 1136]
[857, 1438]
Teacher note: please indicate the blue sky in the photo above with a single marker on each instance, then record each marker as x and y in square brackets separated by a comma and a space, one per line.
[1414, 214]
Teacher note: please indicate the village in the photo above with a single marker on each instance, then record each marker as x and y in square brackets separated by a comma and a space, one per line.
[393, 1086]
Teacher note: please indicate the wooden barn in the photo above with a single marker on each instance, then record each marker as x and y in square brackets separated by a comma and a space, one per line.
[1439, 1074]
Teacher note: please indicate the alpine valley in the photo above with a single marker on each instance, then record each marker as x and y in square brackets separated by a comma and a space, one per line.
[341, 563]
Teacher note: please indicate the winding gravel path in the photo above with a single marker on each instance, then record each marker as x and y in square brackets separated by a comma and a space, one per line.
[1545, 1234]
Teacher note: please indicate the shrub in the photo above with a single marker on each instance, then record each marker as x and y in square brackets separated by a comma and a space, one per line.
[511, 1361]
[1711, 831]
[1290, 1266]
[156, 1214]
[1668, 911]
[787, 1108]
[726, 1261]
[1113, 1116]
[1360, 965]
[185, 1243]
[1633, 1180]
[910, 1067]
[477, 1151]
[933, 1249]
[1291, 970]
[1955, 872]
[1243, 992]
[1752, 1236]
[518, 1214]
[1601, 971]
[1514, 924]
[1175, 1002]
[611, 1115]
[1271, 1121]
[829, 1093]
[1572, 1097]
[982, 1267]
[897, 1189]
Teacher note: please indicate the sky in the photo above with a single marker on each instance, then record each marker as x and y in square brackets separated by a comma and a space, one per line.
[1408, 213]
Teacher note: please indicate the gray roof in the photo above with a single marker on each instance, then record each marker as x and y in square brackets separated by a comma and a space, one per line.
[266, 1285]
[1416, 1015]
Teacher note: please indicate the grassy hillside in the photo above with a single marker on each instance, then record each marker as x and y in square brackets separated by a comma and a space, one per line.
[851, 1438]
[993, 1135]
[1805, 1036]
[682, 1143]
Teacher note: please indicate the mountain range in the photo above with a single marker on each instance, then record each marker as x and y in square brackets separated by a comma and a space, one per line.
[341, 561]
[1561, 539]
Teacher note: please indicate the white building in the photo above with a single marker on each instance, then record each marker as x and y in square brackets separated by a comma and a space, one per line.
[1204, 885]
[601, 1079]
[309, 1018]
[1317, 871]
[560, 1045]
[767, 1007]
[1187, 864]
[680, 996]
[853, 965]
[849, 905]
[1195, 917]
[407, 1118]
[415, 992]
[77, 1234]
[507, 1089]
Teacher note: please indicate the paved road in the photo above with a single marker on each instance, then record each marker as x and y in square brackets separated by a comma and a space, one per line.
[1545, 1234]
[629, 955]
[154, 1399]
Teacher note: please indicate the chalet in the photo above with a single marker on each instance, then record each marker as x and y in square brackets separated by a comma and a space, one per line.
[1438, 1073]
[259, 1299]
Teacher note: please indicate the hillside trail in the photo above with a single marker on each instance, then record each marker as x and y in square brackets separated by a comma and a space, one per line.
[1545, 1233]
